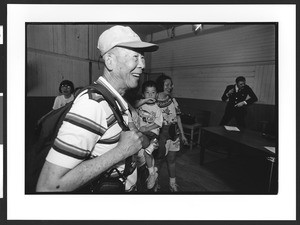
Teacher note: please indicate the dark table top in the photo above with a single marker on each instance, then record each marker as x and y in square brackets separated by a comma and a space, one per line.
[246, 137]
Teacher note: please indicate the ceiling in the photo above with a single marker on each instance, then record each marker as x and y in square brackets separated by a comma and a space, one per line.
[145, 29]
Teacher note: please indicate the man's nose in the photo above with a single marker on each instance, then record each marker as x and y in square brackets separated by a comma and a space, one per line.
[141, 63]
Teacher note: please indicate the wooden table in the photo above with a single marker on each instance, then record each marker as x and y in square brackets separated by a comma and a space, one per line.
[244, 140]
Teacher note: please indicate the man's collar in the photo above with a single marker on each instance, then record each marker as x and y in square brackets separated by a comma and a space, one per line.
[118, 97]
[236, 88]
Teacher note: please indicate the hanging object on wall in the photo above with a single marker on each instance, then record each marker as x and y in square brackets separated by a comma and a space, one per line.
[171, 32]
[197, 28]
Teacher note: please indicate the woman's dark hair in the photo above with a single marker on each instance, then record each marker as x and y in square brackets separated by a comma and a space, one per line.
[67, 83]
[160, 81]
[148, 83]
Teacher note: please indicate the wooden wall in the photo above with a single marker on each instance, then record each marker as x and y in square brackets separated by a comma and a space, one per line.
[62, 51]
[202, 65]
[55, 53]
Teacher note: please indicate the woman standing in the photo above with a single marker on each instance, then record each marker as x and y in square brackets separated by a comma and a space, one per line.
[172, 131]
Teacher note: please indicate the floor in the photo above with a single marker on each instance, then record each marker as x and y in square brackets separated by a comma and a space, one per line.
[220, 173]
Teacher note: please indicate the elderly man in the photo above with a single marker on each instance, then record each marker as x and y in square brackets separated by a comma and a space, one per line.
[89, 129]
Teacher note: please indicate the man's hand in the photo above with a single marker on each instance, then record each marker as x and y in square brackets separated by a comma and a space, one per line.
[155, 143]
[240, 104]
[143, 129]
[130, 142]
[229, 92]
[54, 178]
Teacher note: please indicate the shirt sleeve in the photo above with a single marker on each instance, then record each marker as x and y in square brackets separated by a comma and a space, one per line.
[224, 96]
[83, 126]
[56, 103]
[252, 96]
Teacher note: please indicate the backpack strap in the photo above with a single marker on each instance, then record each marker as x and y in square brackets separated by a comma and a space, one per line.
[129, 163]
[112, 103]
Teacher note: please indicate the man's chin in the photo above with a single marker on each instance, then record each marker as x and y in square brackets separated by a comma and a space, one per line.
[136, 83]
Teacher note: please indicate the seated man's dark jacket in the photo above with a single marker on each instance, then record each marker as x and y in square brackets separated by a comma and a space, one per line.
[239, 96]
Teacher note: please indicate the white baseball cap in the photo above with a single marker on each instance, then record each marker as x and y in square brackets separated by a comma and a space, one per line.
[123, 37]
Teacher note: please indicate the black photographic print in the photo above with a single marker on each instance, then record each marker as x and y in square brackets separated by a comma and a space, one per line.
[215, 160]
[219, 78]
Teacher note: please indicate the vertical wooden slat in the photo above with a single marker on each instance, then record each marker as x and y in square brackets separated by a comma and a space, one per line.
[90, 72]
[59, 39]
[77, 40]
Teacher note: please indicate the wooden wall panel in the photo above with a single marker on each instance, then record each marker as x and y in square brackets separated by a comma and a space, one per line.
[59, 39]
[46, 71]
[40, 37]
[77, 41]
[249, 43]
[69, 40]
[94, 33]
[97, 70]
[51, 38]
[265, 83]
[210, 82]
[201, 66]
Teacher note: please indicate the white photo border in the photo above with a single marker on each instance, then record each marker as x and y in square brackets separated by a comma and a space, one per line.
[167, 207]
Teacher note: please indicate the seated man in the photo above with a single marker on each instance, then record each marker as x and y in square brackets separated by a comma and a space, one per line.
[236, 107]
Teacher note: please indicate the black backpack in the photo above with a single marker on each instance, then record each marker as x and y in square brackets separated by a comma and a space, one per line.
[48, 127]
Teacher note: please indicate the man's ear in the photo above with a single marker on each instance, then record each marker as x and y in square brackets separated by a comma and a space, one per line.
[109, 61]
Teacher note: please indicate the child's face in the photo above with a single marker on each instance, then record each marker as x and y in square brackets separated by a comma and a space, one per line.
[168, 86]
[150, 92]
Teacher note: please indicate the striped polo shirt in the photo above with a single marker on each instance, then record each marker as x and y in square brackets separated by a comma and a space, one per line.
[89, 128]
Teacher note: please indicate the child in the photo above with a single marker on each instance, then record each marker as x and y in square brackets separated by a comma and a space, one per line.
[148, 122]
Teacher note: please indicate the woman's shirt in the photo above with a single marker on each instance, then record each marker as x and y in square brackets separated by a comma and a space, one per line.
[61, 100]
[170, 109]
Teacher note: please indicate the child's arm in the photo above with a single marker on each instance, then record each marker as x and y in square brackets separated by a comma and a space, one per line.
[143, 101]
[149, 128]
[132, 126]
[183, 138]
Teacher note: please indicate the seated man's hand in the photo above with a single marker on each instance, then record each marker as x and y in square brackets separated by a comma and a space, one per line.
[230, 92]
[240, 104]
